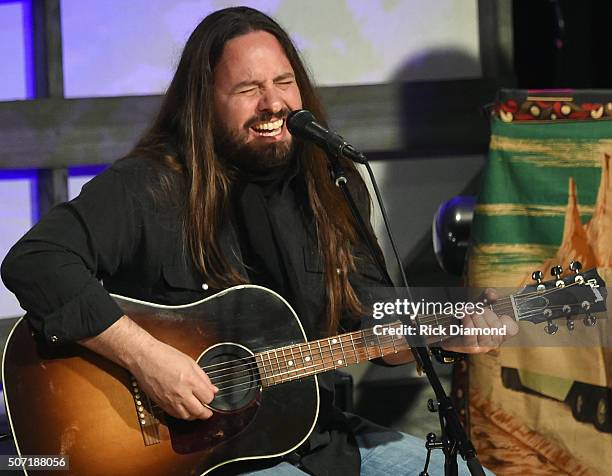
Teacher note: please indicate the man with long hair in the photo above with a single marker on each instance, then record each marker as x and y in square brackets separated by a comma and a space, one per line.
[216, 193]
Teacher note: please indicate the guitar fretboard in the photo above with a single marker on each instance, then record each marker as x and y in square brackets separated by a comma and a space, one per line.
[300, 360]
[296, 361]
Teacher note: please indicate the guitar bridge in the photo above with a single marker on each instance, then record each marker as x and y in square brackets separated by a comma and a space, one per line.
[148, 422]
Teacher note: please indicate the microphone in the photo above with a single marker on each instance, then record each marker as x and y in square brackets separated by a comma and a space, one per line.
[302, 124]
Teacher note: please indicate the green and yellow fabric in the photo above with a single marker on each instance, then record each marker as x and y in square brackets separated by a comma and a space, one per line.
[536, 407]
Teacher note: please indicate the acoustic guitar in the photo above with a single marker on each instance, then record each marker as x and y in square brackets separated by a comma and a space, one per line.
[72, 402]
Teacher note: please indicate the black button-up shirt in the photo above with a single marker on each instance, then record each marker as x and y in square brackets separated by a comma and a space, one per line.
[123, 235]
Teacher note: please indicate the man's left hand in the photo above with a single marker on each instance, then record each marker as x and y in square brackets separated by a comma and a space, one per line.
[478, 344]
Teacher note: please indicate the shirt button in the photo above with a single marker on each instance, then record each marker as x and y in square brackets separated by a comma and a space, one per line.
[205, 287]
[54, 338]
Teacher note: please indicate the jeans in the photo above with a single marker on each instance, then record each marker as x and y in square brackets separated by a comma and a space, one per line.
[383, 453]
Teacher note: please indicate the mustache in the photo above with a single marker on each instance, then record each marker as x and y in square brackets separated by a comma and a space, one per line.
[267, 117]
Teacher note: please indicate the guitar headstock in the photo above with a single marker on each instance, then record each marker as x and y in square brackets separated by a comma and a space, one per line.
[582, 293]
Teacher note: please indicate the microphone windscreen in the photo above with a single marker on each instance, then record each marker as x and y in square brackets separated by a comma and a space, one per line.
[297, 121]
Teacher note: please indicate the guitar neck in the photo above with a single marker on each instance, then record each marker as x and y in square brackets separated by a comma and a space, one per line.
[292, 362]
[296, 361]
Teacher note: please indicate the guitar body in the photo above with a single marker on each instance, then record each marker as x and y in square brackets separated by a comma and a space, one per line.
[76, 403]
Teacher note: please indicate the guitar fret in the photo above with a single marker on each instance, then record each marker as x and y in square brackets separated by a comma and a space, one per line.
[309, 364]
[380, 351]
[354, 349]
[259, 361]
[515, 313]
[308, 373]
[365, 344]
[268, 368]
[285, 361]
[342, 350]
[393, 343]
[278, 363]
[287, 375]
[322, 357]
[333, 356]
[309, 356]
[294, 364]
[301, 354]
[271, 367]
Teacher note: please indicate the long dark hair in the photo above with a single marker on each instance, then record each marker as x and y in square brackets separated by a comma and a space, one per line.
[182, 137]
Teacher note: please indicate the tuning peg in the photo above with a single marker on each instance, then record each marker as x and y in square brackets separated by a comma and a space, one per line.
[537, 276]
[569, 322]
[551, 328]
[575, 266]
[589, 320]
[556, 271]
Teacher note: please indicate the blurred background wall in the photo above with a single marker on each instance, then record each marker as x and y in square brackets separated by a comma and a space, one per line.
[123, 48]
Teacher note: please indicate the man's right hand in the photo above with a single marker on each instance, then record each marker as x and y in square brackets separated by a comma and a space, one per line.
[175, 381]
[171, 378]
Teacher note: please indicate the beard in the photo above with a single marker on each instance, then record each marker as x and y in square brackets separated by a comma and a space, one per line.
[233, 148]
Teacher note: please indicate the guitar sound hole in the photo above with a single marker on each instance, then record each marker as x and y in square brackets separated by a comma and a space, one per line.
[232, 368]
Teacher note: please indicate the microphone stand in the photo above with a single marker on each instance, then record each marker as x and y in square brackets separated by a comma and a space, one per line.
[453, 439]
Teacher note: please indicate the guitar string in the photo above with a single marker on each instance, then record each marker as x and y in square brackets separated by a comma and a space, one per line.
[291, 378]
[295, 377]
[537, 293]
[308, 374]
[327, 359]
[353, 335]
[505, 304]
[534, 294]
[350, 336]
[288, 372]
[328, 350]
[499, 305]
[422, 320]
[347, 339]
[327, 353]
[327, 365]
[532, 312]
